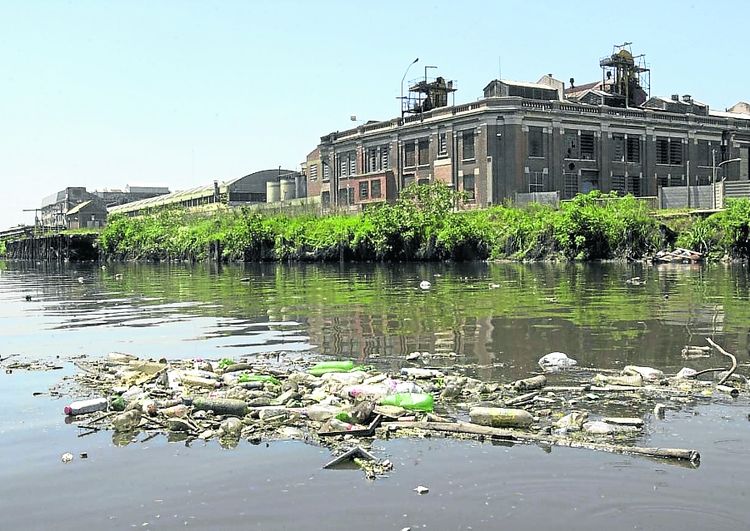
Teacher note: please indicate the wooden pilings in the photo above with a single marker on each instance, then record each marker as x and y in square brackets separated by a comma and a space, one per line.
[57, 247]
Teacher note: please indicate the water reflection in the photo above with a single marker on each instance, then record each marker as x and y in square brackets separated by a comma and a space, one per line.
[495, 315]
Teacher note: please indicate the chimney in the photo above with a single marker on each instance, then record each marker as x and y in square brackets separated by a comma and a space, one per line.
[572, 82]
[675, 97]
[687, 98]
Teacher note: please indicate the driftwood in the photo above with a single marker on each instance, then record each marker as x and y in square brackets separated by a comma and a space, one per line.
[733, 368]
[466, 428]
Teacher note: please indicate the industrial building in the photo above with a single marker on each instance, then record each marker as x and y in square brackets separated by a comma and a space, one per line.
[542, 141]
[259, 187]
[56, 207]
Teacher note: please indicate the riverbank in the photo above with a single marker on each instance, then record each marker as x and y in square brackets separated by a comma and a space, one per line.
[423, 225]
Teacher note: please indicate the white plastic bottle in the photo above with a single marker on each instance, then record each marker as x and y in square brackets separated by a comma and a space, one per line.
[81, 407]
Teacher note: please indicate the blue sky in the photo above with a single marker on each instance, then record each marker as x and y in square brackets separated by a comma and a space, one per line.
[179, 93]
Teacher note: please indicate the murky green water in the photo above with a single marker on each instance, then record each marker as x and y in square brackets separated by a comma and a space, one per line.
[494, 320]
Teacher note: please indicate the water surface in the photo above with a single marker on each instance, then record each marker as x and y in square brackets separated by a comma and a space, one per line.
[493, 320]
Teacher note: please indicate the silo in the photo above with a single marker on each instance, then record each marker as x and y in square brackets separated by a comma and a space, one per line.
[272, 192]
[288, 189]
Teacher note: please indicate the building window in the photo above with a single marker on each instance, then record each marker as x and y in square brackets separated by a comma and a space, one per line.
[669, 151]
[410, 155]
[702, 152]
[618, 184]
[662, 151]
[385, 162]
[536, 142]
[469, 186]
[618, 149]
[587, 145]
[313, 172]
[442, 144]
[371, 160]
[424, 151]
[364, 190]
[633, 149]
[326, 172]
[346, 196]
[423, 181]
[352, 164]
[675, 151]
[571, 146]
[325, 199]
[634, 185]
[467, 145]
[344, 166]
[375, 189]
[744, 163]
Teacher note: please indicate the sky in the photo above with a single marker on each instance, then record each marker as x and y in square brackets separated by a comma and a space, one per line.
[179, 93]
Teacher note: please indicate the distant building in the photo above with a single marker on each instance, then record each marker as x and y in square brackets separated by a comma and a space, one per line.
[130, 194]
[541, 141]
[87, 215]
[56, 207]
[253, 188]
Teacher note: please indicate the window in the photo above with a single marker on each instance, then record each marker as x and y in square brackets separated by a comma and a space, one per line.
[571, 146]
[410, 155]
[424, 151]
[325, 198]
[662, 150]
[385, 162]
[675, 151]
[352, 164]
[469, 186]
[669, 151]
[618, 184]
[364, 190]
[442, 144]
[536, 142]
[423, 181]
[326, 174]
[375, 189]
[313, 172]
[587, 145]
[343, 166]
[634, 185]
[467, 142]
[633, 149]
[618, 148]
[744, 162]
[376, 158]
[703, 153]
[371, 160]
[346, 196]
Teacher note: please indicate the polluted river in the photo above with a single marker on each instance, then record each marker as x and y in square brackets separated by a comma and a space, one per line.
[218, 395]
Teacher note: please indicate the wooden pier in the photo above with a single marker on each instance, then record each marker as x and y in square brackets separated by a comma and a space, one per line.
[57, 247]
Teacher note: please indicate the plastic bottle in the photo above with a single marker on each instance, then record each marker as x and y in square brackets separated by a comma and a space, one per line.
[411, 401]
[127, 421]
[81, 407]
[331, 366]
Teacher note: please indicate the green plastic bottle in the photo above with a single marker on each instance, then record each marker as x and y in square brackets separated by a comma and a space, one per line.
[411, 401]
[331, 366]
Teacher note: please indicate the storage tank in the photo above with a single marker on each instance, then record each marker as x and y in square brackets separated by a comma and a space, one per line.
[272, 192]
[288, 189]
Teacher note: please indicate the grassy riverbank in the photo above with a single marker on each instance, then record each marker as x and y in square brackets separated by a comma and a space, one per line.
[422, 225]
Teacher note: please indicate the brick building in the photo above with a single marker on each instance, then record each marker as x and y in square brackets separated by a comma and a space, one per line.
[541, 139]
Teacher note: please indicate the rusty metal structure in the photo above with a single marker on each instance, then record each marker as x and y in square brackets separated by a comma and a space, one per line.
[625, 77]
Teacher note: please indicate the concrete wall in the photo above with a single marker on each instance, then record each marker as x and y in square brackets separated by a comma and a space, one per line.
[677, 197]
